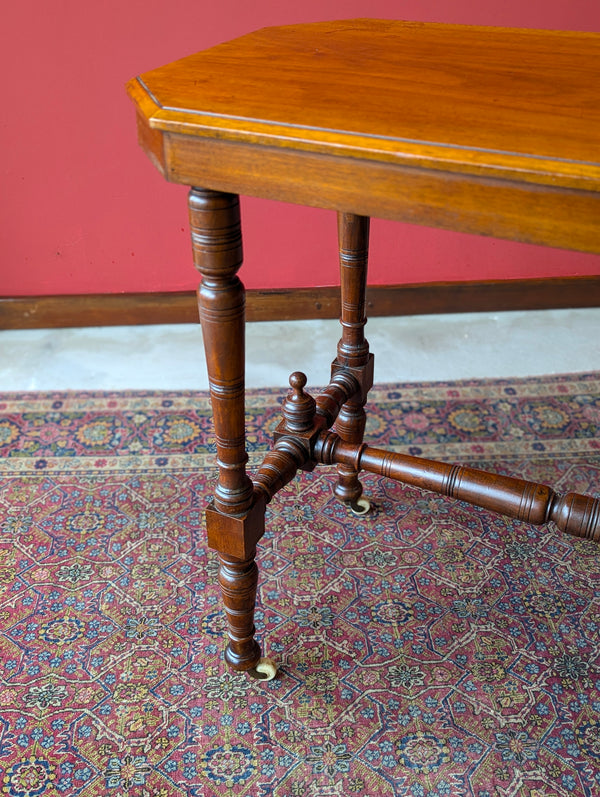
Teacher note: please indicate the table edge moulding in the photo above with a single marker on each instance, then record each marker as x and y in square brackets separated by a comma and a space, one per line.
[492, 131]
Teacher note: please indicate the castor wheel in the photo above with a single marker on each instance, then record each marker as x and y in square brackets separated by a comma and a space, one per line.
[360, 507]
[265, 670]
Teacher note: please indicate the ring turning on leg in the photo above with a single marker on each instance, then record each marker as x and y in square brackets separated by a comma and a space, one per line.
[353, 349]
[235, 521]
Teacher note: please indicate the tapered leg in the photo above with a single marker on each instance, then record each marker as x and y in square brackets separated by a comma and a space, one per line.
[353, 349]
[238, 582]
[235, 521]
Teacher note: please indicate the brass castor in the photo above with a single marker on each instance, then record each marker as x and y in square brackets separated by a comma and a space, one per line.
[265, 670]
[360, 507]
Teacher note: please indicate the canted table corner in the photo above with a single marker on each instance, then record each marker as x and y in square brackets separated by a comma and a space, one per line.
[490, 131]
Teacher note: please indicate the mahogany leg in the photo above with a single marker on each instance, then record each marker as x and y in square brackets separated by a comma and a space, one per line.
[235, 520]
[353, 348]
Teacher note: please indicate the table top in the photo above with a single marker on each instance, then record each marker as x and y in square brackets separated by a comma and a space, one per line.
[506, 104]
[398, 90]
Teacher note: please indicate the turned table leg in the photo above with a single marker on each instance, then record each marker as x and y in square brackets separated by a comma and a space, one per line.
[235, 519]
[353, 348]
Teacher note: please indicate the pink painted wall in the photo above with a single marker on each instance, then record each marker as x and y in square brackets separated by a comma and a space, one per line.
[83, 210]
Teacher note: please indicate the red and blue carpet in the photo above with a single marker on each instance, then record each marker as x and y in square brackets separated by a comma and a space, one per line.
[428, 649]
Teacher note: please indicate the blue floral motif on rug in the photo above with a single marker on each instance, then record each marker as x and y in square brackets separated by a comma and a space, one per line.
[428, 649]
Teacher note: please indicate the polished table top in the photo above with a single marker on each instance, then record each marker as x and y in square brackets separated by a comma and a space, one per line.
[486, 130]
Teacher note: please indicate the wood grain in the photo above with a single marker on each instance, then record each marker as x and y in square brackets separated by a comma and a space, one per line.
[180, 307]
[453, 97]
[492, 131]
[549, 215]
[528, 501]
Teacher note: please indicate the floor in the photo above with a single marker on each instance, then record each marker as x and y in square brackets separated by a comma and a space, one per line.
[415, 348]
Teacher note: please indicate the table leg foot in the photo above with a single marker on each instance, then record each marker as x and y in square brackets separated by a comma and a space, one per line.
[238, 580]
[350, 426]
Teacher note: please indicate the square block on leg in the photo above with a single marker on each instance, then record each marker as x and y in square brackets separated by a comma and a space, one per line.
[236, 535]
[364, 374]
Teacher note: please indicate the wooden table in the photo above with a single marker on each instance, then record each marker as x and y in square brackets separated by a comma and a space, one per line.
[483, 130]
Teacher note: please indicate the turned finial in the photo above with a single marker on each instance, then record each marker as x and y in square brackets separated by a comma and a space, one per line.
[299, 407]
[298, 383]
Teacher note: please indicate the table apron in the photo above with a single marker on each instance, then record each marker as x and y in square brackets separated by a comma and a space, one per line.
[561, 217]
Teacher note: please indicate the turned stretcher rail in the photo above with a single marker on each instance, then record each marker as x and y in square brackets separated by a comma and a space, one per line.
[533, 503]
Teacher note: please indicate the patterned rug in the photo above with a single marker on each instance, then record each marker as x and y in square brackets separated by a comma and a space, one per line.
[427, 649]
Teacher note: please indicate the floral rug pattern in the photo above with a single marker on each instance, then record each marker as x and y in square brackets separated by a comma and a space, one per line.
[427, 649]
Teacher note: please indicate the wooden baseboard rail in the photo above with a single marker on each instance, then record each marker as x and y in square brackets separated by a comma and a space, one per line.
[86, 310]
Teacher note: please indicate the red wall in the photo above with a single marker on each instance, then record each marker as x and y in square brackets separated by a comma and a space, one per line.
[84, 211]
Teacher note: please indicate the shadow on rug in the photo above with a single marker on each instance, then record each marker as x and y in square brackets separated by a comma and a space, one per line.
[427, 649]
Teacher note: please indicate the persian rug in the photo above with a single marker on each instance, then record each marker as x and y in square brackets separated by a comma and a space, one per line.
[427, 649]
